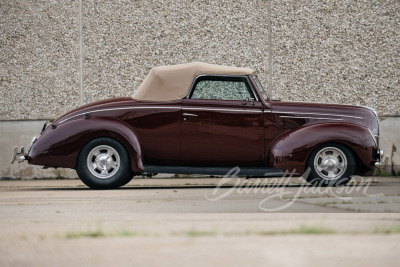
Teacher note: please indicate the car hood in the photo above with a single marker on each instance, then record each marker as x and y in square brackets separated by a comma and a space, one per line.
[318, 112]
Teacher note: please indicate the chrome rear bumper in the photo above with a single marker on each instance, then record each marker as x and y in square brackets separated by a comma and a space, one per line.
[18, 156]
[21, 156]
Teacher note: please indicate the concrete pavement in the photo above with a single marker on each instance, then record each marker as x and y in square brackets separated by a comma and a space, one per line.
[170, 222]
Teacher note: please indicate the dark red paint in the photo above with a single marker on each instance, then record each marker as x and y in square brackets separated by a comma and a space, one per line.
[269, 133]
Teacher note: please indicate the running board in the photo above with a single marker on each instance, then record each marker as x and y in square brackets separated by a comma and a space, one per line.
[244, 171]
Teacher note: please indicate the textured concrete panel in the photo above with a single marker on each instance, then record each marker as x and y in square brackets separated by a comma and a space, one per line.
[327, 51]
[390, 143]
[38, 58]
[124, 39]
[337, 51]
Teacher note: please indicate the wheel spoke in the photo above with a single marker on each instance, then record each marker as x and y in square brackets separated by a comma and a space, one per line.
[335, 153]
[103, 161]
[341, 166]
[331, 175]
[330, 163]
[320, 168]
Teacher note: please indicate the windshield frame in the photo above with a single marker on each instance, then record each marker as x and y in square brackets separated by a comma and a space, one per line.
[260, 87]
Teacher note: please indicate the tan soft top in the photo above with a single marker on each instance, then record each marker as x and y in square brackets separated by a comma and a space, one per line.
[173, 82]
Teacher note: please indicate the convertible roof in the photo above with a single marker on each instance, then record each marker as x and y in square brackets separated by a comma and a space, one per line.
[173, 82]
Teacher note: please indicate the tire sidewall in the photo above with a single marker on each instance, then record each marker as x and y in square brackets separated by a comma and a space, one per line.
[316, 180]
[120, 178]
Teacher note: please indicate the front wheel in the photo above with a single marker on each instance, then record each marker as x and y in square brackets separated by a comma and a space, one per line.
[331, 165]
[104, 163]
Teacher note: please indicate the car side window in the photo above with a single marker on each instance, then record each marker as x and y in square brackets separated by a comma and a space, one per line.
[221, 90]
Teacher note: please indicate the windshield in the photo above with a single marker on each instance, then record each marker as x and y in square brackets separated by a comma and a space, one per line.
[261, 88]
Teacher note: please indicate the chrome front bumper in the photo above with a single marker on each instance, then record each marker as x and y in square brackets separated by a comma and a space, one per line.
[380, 163]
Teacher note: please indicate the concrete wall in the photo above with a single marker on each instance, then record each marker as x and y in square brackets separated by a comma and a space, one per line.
[390, 143]
[21, 132]
[326, 51]
[39, 58]
[56, 55]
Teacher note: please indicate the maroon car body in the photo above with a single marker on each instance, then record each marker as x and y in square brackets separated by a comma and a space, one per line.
[209, 134]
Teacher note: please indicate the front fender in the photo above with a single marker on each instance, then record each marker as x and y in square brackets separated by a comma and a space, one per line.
[61, 146]
[290, 150]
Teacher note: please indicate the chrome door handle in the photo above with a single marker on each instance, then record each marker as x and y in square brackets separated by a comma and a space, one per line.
[189, 114]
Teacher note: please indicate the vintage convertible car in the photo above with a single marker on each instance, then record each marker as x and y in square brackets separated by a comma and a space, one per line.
[201, 118]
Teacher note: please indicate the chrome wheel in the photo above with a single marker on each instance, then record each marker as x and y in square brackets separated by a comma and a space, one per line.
[330, 163]
[103, 161]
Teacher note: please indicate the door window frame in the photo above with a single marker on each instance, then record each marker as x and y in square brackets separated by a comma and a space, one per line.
[244, 79]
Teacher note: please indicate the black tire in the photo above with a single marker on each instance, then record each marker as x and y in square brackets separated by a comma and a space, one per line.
[331, 164]
[104, 163]
[129, 178]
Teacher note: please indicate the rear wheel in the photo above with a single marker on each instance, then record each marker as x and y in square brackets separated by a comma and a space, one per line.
[331, 165]
[104, 164]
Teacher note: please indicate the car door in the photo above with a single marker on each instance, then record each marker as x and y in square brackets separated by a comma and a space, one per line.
[222, 123]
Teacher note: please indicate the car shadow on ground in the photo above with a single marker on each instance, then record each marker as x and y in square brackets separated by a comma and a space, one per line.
[161, 187]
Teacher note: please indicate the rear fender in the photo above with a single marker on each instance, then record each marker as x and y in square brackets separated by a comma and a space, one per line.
[61, 146]
[291, 150]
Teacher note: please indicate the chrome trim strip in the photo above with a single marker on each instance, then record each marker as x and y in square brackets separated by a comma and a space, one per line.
[224, 109]
[108, 109]
[190, 114]
[252, 89]
[373, 137]
[318, 114]
[375, 132]
[314, 118]
[372, 109]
